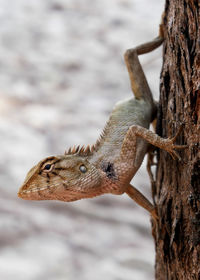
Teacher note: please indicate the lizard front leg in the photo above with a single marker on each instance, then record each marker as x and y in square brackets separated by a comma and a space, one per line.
[135, 131]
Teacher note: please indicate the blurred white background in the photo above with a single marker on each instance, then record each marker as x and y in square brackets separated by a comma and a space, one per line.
[61, 72]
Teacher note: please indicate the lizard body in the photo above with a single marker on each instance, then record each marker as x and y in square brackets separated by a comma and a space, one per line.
[110, 164]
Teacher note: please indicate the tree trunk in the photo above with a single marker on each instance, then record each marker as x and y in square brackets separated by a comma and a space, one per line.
[177, 234]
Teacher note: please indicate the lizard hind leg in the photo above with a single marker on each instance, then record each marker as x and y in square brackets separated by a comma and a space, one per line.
[137, 77]
[140, 199]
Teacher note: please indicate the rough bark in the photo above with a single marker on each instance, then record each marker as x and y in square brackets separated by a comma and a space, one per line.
[177, 234]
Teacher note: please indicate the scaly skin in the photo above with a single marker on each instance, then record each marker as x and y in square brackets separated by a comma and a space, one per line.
[109, 165]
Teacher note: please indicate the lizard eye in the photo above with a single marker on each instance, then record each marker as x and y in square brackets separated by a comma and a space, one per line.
[48, 167]
[83, 169]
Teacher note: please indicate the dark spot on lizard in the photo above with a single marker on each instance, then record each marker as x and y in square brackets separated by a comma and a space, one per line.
[108, 168]
[48, 178]
[54, 173]
[59, 168]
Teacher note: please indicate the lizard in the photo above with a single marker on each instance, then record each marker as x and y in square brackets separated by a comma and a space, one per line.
[109, 165]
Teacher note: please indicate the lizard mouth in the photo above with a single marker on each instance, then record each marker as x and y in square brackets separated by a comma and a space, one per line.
[22, 192]
[36, 193]
[25, 194]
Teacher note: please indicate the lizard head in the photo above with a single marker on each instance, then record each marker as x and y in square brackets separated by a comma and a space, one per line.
[65, 177]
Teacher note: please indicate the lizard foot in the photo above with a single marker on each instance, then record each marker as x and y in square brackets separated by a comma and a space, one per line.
[171, 146]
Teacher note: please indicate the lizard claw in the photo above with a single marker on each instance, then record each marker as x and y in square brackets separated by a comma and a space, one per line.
[172, 147]
[175, 155]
